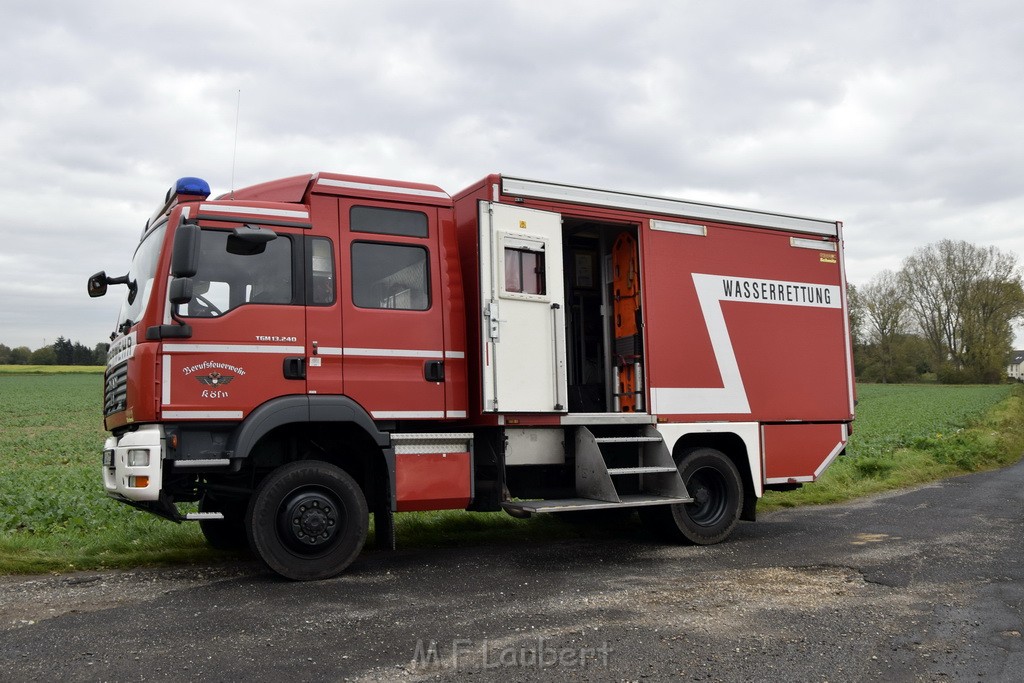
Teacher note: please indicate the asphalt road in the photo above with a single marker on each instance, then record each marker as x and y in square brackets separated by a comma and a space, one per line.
[922, 585]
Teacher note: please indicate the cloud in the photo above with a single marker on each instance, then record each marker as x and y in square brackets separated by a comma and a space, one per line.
[899, 119]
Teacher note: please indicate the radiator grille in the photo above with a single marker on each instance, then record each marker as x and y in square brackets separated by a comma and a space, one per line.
[115, 389]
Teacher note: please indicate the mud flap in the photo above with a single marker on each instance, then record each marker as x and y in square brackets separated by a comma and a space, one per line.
[748, 513]
[384, 529]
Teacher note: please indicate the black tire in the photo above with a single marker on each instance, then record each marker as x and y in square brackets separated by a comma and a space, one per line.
[713, 481]
[308, 520]
[228, 533]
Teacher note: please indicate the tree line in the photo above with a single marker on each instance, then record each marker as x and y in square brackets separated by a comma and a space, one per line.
[946, 315]
[60, 352]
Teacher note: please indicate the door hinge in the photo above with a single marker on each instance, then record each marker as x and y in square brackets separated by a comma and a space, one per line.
[491, 312]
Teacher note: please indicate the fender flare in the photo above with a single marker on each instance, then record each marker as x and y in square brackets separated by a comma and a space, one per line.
[292, 409]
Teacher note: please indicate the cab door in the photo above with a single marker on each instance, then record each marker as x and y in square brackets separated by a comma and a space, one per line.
[324, 290]
[248, 325]
[523, 295]
[393, 335]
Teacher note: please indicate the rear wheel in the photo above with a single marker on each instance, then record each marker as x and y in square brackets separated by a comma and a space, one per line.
[308, 520]
[714, 483]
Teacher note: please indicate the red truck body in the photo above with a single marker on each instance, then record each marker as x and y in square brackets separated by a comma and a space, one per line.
[374, 346]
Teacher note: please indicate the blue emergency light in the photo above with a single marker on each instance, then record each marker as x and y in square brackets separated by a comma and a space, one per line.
[192, 186]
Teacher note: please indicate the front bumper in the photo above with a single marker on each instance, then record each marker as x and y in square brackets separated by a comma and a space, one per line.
[133, 464]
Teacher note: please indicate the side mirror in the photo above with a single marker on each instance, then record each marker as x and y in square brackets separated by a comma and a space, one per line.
[249, 240]
[180, 291]
[185, 254]
[98, 284]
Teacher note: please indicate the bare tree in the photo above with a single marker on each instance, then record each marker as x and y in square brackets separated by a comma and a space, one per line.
[964, 299]
[886, 315]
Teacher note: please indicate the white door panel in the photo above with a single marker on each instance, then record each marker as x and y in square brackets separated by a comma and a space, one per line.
[523, 331]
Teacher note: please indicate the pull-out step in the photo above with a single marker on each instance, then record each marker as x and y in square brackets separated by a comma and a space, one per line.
[627, 439]
[642, 473]
[574, 504]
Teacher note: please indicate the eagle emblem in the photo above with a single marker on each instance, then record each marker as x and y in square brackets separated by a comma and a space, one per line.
[214, 379]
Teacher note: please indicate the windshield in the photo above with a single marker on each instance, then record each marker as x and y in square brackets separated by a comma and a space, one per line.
[140, 277]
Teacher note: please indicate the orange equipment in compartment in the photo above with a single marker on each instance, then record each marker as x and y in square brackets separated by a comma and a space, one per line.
[628, 347]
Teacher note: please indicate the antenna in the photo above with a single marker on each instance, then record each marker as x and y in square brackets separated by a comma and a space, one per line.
[234, 150]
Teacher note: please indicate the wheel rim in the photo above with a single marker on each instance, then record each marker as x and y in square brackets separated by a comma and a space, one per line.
[309, 520]
[709, 490]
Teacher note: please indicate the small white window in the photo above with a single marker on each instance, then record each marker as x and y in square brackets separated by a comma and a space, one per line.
[524, 271]
[523, 266]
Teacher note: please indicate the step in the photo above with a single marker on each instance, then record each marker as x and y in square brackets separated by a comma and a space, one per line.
[197, 516]
[217, 462]
[639, 470]
[627, 439]
[608, 419]
[572, 504]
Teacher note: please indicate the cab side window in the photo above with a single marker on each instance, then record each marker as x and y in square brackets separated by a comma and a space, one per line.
[388, 221]
[320, 268]
[225, 280]
[393, 275]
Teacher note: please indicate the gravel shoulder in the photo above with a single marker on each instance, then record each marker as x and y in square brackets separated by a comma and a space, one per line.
[28, 600]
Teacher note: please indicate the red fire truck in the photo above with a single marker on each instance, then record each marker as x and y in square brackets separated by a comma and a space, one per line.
[296, 355]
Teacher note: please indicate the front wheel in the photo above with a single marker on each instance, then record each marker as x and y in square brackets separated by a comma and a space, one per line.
[228, 533]
[308, 520]
[713, 481]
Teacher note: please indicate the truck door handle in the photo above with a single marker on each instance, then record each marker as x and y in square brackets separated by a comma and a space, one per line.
[433, 371]
[295, 367]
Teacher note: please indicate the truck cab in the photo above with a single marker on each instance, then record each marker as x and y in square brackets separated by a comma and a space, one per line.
[296, 319]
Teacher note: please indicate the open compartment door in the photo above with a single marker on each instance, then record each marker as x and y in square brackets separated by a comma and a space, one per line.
[523, 298]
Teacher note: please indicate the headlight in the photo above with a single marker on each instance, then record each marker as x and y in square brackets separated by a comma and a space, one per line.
[138, 457]
[108, 457]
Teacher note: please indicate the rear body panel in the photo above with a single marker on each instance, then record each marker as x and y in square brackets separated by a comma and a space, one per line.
[742, 319]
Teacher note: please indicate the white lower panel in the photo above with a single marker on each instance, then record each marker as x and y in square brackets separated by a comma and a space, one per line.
[748, 432]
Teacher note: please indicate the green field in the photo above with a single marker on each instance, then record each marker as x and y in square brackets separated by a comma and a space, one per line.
[51, 369]
[54, 515]
[53, 512]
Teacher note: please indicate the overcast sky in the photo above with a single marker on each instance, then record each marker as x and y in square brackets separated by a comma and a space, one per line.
[905, 120]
